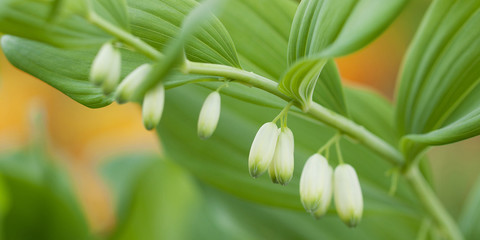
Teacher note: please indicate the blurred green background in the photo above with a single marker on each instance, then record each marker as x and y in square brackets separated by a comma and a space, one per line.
[95, 164]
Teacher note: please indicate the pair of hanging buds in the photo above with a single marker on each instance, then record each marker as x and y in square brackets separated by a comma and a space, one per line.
[105, 72]
[272, 149]
[319, 182]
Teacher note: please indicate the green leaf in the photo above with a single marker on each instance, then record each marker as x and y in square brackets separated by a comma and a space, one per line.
[329, 28]
[114, 11]
[42, 203]
[329, 91]
[300, 80]
[158, 22]
[32, 19]
[470, 216]
[438, 94]
[260, 31]
[323, 29]
[67, 70]
[315, 80]
[158, 207]
[155, 199]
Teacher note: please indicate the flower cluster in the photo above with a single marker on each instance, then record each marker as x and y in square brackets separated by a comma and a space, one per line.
[273, 149]
[105, 72]
[318, 182]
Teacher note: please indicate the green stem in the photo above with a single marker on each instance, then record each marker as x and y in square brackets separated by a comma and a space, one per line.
[124, 36]
[345, 125]
[432, 204]
[327, 145]
[283, 112]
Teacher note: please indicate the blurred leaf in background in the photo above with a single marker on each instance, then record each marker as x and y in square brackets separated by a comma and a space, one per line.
[157, 199]
[42, 204]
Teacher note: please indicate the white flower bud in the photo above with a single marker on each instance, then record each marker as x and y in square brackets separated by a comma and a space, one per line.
[316, 185]
[263, 148]
[209, 115]
[281, 168]
[152, 108]
[127, 87]
[106, 67]
[348, 195]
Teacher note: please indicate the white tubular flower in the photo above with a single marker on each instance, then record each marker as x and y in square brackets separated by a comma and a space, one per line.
[127, 87]
[209, 115]
[316, 185]
[263, 148]
[106, 67]
[348, 195]
[281, 168]
[152, 108]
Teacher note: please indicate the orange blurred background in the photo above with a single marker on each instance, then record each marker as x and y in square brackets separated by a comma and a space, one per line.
[82, 137]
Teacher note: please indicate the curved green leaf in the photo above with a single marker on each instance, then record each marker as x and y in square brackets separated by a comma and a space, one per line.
[323, 29]
[438, 95]
[330, 28]
[315, 80]
[300, 80]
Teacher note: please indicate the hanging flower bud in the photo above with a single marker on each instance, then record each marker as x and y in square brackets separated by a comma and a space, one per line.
[209, 115]
[316, 185]
[105, 70]
[152, 108]
[348, 195]
[263, 148]
[281, 168]
[127, 87]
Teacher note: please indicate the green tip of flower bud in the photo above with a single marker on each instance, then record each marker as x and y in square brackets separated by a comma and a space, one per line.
[209, 115]
[348, 195]
[282, 166]
[127, 87]
[152, 108]
[272, 175]
[106, 66]
[316, 185]
[262, 150]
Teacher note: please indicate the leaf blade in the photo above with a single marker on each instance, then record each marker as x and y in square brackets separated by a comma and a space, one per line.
[436, 101]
